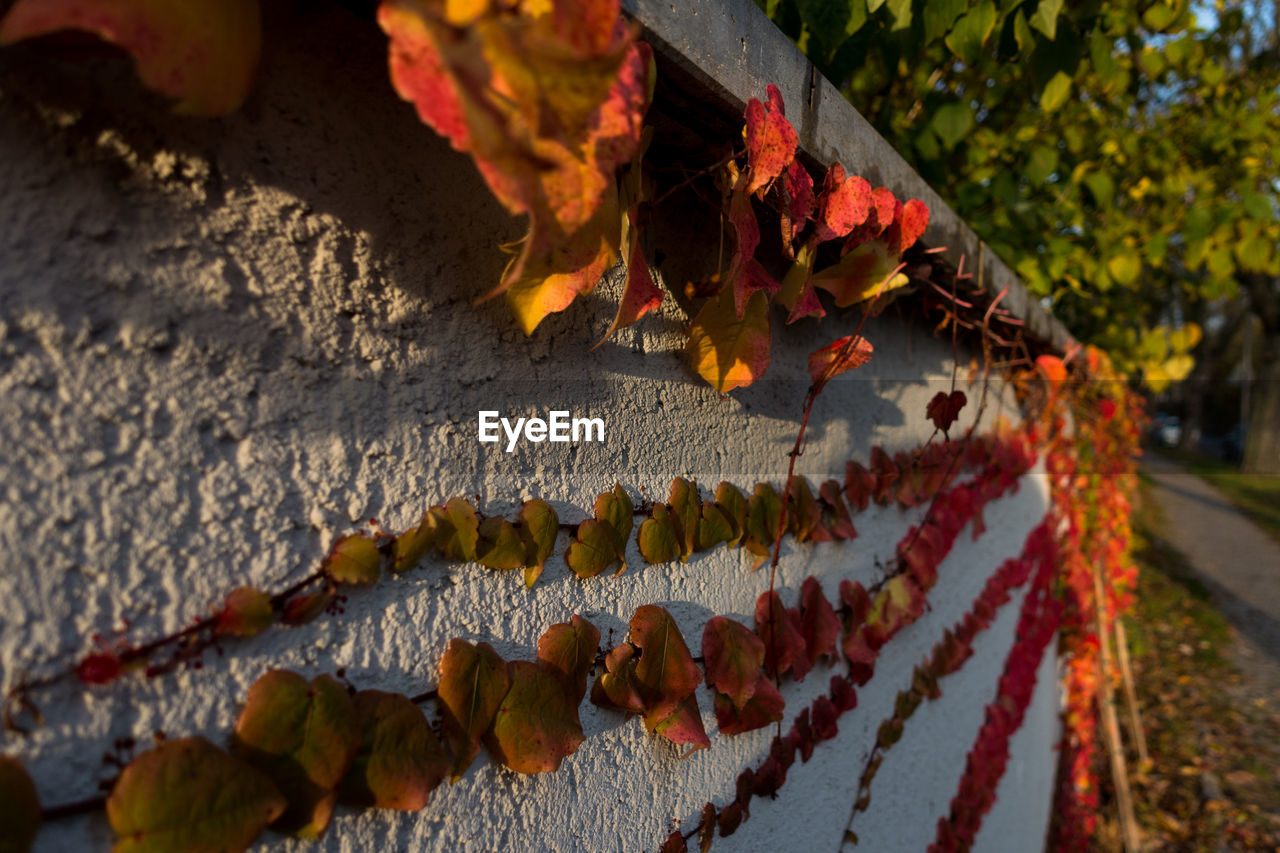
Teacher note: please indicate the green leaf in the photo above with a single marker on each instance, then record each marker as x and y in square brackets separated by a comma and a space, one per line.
[594, 549]
[733, 656]
[473, 682]
[400, 761]
[617, 686]
[971, 33]
[458, 530]
[187, 795]
[1158, 16]
[657, 539]
[499, 545]
[939, 15]
[1221, 264]
[569, 649]
[764, 511]
[952, 122]
[1055, 92]
[539, 526]
[1045, 18]
[1124, 268]
[355, 559]
[615, 507]
[832, 21]
[686, 511]
[873, 5]
[304, 738]
[715, 527]
[536, 726]
[412, 545]
[1042, 163]
[246, 612]
[1022, 34]
[734, 503]
[1254, 254]
[1257, 206]
[901, 11]
[1101, 187]
[20, 807]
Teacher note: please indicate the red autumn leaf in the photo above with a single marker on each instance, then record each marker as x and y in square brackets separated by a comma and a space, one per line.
[536, 726]
[99, 668]
[680, 723]
[771, 140]
[246, 612]
[842, 205]
[835, 515]
[886, 471]
[798, 204]
[708, 831]
[733, 656]
[945, 408]
[666, 672]
[824, 719]
[843, 696]
[400, 761]
[783, 645]
[818, 623]
[473, 683]
[854, 597]
[859, 655]
[304, 736]
[912, 225]
[859, 484]
[730, 819]
[764, 707]
[674, 843]
[202, 52]
[639, 295]
[840, 355]
[303, 608]
[802, 736]
[569, 648]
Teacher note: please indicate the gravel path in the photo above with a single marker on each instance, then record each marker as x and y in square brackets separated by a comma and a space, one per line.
[1237, 562]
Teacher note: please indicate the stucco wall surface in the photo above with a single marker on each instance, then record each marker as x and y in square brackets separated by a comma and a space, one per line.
[223, 344]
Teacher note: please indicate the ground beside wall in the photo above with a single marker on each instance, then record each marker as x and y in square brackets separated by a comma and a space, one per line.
[223, 344]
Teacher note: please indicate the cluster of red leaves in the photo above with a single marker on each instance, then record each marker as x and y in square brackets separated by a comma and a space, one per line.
[953, 650]
[987, 759]
[729, 337]
[1092, 471]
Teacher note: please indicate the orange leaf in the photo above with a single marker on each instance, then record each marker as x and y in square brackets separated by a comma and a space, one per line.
[842, 354]
[771, 140]
[202, 52]
[728, 351]
[536, 726]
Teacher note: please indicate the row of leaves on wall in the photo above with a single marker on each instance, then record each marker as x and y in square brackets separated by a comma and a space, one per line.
[300, 747]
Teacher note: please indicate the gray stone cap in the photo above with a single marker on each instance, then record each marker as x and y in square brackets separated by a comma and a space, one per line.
[733, 50]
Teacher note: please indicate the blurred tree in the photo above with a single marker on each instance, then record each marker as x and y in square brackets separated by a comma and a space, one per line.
[1121, 155]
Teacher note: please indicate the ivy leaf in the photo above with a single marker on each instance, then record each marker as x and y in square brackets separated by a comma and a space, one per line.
[835, 514]
[734, 504]
[843, 354]
[303, 608]
[783, 644]
[458, 530]
[189, 795]
[798, 204]
[616, 509]
[945, 408]
[639, 294]
[304, 738]
[539, 526]
[617, 686]
[726, 350]
[666, 672]
[824, 719]
[1055, 92]
[246, 612]
[764, 512]
[733, 656]
[952, 122]
[536, 725]
[730, 819]
[674, 843]
[412, 545]
[843, 696]
[972, 31]
[708, 832]
[680, 723]
[1045, 18]
[867, 271]
[715, 526]
[354, 559]
[499, 545]
[473, 682]
[843, 204]
[19, 807]
[686, 510]
[765, 706]
[657, 539]
[818, 623]
[595, 547]
[771, 141]
[202, 52]
[400, 761]
[569, 649]
[803, 515]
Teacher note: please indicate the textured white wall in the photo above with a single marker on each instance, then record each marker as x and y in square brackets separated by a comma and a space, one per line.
[224, 343]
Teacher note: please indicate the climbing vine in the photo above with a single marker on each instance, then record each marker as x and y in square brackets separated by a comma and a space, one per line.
[548, 99]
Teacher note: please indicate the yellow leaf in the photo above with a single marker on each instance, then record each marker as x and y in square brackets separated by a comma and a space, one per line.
[727, 351]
